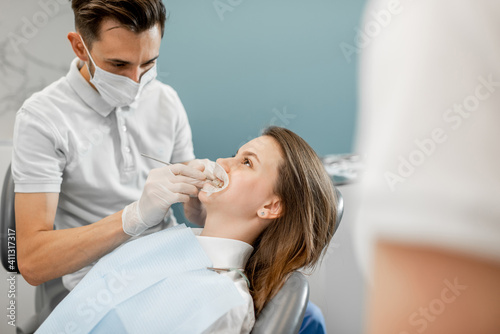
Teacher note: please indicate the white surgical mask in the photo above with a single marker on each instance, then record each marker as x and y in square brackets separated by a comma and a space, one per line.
[118, 90]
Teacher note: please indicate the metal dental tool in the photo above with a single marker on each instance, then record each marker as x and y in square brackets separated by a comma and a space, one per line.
[215, 182]
[163, 162]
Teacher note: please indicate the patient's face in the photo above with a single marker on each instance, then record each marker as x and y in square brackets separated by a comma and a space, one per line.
[253, 173]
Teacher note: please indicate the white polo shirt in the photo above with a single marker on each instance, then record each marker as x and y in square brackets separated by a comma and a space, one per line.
[67, 139]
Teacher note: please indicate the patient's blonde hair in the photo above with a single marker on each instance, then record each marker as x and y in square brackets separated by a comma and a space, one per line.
[298, 237]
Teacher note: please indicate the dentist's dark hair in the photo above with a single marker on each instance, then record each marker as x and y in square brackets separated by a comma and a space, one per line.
[136, 15]
[298, 238]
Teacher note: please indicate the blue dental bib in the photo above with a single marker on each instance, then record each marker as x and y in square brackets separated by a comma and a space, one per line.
[155, 284]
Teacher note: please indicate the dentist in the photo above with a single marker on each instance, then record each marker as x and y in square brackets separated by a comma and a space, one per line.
[82, 188]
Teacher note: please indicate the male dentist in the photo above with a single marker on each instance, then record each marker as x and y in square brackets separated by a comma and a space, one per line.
[82, 187]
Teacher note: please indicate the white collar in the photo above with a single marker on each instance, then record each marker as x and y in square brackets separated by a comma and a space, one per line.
[224, 253]
[88, 94]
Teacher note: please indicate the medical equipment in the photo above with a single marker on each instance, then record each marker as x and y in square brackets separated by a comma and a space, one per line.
[342, 168]
[152, 277]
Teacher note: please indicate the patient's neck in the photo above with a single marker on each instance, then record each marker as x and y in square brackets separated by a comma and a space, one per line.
[222, 226]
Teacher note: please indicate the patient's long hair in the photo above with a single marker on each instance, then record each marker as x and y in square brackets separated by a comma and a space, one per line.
[306, 225]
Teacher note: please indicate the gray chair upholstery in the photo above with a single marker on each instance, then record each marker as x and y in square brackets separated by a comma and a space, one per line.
[340, 209]
[48, 294]
[283, 314]
[7, 223]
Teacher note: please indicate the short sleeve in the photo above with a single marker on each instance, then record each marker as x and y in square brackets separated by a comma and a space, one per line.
[429, 128]
[37, 161]
[183, 146]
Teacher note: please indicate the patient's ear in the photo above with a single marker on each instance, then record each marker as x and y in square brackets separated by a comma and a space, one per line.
[272, 209]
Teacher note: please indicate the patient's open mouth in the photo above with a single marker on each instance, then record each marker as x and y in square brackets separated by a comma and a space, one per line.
[218, 183]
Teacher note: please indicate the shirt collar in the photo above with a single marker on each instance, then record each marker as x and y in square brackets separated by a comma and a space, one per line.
[224, 253]
[86, 92]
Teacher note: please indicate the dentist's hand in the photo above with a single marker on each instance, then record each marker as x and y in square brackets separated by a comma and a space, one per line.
[194, 210]
[204, 166]
[164, 187]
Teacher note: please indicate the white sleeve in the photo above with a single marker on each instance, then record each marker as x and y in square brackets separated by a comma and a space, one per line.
[37, 158]
[429, 126]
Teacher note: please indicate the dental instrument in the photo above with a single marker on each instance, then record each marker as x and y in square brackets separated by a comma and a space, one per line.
[217, 183]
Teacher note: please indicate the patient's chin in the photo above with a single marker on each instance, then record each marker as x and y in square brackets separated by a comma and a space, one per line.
[208, 197]
[205, 197]
[202, 196]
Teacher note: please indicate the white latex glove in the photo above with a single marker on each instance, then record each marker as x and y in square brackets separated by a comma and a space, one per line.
[204, 165]
[214, 172]
[164, 187]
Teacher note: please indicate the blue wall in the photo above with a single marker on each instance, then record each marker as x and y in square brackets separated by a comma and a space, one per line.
[257, 63]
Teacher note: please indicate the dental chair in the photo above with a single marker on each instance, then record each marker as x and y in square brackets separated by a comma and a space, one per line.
[48, 294]
[283, 314]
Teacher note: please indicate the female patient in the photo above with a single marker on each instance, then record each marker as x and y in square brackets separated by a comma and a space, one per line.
[276, 215]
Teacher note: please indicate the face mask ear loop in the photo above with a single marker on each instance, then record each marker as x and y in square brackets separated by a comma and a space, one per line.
[90, 57]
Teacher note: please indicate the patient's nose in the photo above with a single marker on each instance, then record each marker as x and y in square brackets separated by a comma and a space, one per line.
[225, 163]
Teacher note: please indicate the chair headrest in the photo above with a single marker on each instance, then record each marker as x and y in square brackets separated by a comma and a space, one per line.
[340, 208]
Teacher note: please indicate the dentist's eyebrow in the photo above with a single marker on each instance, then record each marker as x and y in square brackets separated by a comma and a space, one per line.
[113, 60]
[114, 27]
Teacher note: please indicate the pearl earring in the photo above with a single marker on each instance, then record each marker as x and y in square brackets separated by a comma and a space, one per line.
[262, 213]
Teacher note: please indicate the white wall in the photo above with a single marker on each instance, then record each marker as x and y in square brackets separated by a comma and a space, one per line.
[337, 286]
[33, 53]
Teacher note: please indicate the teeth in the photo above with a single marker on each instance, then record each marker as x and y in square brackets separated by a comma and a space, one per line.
[217, 183]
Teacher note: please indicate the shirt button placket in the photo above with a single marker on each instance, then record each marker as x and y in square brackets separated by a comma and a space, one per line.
[126, 150]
